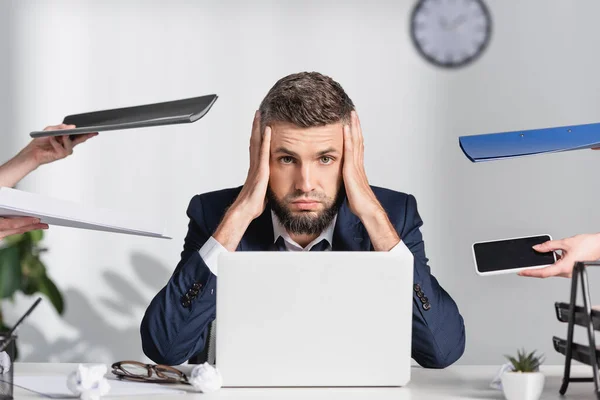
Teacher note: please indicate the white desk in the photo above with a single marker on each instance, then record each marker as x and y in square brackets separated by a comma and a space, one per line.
[457, 382]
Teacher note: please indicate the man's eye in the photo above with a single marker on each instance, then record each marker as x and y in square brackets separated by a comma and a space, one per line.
[286, 160]
[326, 160]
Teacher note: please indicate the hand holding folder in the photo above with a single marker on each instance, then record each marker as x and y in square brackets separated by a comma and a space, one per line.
[19, 225]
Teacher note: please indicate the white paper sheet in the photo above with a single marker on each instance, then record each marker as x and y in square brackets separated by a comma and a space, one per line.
[56, 386]
[51, 211]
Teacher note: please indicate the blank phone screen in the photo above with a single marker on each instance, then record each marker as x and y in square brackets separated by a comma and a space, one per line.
[511, 254]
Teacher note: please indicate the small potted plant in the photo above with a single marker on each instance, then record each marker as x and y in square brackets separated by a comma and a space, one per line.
[22, 270]
[525, 381]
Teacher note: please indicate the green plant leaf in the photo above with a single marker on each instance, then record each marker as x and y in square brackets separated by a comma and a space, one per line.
[526, 362]
[13, 239]
[32, 270]
[29, 286]
[36, 236]
[33, 267]
[10, 271]
[47, 287]
[22, 269]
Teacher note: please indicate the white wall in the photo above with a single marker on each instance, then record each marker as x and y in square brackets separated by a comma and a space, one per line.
[5, 74]
[75, 56]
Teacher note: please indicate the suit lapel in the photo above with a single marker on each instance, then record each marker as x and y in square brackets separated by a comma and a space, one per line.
[349, 233]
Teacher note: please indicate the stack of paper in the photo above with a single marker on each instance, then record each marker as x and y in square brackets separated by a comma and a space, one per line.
[64, 213]
[55, 386]
[494, 146]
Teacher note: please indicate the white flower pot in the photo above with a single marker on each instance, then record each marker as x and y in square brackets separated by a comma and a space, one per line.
[522, 385]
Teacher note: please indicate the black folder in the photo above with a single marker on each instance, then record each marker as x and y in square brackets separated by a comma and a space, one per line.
[172, 112]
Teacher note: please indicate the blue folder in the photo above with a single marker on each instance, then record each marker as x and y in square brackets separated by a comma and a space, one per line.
[496, 146]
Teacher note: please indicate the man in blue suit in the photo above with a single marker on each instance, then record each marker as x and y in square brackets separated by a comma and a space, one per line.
[306, 190]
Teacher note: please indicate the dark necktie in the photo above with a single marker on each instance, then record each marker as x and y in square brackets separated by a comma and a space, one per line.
[279, 245]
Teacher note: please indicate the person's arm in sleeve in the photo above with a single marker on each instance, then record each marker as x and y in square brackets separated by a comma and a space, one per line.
[578, 248]
[438, 334]
[38, 152]
[174, 327]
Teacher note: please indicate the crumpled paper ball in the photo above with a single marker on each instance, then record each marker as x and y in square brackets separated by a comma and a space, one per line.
[88, 382]
[206, 378]
[497, 381]
[5, 363]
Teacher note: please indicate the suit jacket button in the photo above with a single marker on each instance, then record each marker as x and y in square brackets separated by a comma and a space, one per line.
[193, 293]
[417, 288]
[196, 286]
[424, 300]
[186, 303]
[426, 306]
[420, 295]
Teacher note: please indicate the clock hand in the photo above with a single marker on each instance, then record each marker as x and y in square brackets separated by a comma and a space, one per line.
[458, 21]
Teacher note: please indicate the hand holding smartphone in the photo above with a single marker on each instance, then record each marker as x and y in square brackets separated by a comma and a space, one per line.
[512, 255]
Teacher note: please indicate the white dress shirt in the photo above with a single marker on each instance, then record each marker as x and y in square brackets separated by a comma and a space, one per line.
[212, 248]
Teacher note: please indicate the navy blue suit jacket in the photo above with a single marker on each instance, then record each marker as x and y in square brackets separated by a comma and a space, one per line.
[175, 326]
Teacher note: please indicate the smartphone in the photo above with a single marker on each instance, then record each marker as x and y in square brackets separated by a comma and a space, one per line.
[512, 255]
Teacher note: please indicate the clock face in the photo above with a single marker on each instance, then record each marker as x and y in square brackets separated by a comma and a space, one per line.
[450, 33]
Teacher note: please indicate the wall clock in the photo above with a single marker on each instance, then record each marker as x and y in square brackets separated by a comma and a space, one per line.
[450, 33]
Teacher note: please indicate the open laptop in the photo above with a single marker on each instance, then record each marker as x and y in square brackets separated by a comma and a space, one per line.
[290, 319]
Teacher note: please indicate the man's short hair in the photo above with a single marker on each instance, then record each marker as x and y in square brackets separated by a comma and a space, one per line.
[306, 99]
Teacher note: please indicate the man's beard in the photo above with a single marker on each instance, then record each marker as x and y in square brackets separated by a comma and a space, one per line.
[305, 222]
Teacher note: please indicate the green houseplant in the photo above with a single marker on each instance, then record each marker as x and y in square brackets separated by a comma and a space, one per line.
[525, 381]
[525, 362]
[21, 269]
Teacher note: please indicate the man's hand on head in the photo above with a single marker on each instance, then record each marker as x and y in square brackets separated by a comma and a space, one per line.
[361, 199]
[251, 201]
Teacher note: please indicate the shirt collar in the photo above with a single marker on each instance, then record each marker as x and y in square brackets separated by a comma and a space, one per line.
[279, 230]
